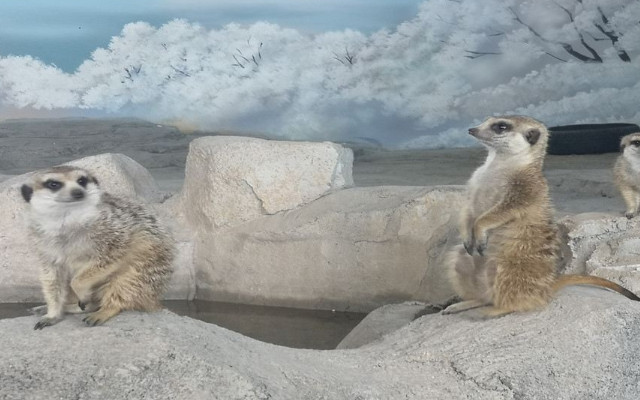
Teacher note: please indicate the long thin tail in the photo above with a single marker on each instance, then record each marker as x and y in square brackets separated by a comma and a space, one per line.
[566, 280]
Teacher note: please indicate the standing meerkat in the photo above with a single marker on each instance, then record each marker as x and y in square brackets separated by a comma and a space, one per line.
[510, 253]
[100, 253]
[626, 173]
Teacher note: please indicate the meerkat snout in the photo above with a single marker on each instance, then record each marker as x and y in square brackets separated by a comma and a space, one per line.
[510, 135]
[77, 194]
[630, 147]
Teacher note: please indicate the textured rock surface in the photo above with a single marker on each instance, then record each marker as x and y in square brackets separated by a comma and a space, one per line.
[355, 249]
[19, 265]
[583, 346]
[604, 245]
[231, 180]
[382, 321]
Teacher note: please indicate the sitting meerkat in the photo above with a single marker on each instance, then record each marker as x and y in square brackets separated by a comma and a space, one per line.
[626, 173]
[100, 253]
[510, 253]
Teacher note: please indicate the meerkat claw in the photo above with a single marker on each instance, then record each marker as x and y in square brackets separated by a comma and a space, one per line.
[43, 323]
[469, 246]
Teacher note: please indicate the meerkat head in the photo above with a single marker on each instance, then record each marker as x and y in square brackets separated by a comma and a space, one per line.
[61, 188]
[512, 135]
[630, 145]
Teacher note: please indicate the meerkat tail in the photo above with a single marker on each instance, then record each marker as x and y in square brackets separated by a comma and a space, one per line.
[566, 280]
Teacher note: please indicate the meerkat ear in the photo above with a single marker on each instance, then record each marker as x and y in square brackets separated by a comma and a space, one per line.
[532, 136]
[26, 191]
[622, 146]
[94, 180]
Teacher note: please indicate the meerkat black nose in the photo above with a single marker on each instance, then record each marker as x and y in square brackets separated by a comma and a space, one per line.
[77, 194]
[473, 131]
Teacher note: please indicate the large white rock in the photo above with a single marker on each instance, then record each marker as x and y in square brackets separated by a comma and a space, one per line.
[604, 245]
[355, 249]
[583, 346]
[117, 174]
[230, 180]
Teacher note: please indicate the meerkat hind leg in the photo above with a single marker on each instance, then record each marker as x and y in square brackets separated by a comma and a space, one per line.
[101, 316]
[494, 312]
[85, 283]
[464, 306]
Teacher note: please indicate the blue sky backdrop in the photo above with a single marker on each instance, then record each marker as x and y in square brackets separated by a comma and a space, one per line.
[65, 32]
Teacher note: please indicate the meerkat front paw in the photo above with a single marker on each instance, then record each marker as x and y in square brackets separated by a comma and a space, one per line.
[46, 321]
[481, 247]
[481, 242]
[38, 310]
[630, 214]
[469, 246]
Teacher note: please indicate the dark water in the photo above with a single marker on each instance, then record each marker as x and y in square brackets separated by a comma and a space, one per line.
[291, 327]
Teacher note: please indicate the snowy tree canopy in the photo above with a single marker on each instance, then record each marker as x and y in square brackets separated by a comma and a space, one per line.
[420, 85]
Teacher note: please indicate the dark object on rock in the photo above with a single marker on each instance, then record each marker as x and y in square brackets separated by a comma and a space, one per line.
[588, 138]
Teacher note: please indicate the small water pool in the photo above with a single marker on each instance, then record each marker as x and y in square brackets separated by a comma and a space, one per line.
[291, 327]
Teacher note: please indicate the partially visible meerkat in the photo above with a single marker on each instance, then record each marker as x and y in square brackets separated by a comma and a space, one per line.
[510, 253]
[100, 253]
[626, 173]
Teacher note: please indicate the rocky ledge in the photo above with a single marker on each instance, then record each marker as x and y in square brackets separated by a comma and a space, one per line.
[583, 346]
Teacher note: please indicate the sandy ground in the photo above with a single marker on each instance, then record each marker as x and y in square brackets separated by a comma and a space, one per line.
[578, 183]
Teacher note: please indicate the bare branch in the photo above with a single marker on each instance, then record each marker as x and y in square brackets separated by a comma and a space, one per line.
[179, 71]
[241, 55]
[595, 57]
[477, 54]
[131, 71]
[557, 58]
[348, 57]
[613, 37]
[238, 63]
[595, 39]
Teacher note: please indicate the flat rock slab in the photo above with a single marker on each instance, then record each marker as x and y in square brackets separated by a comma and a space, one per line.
[231, 180]
[353, 250]
[583, 346]
[384, 320]
[604, 245]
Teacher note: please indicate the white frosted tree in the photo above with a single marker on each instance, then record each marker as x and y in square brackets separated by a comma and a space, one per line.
[420, 84]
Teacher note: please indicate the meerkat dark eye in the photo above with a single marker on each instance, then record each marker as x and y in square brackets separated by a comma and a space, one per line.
[635, 143]
[82, 181]
[500, 127]
[52, 185]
